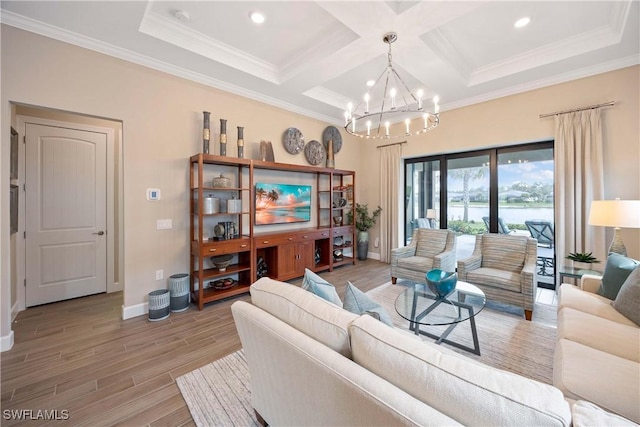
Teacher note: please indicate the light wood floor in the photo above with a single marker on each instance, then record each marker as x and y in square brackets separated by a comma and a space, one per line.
[80, 356]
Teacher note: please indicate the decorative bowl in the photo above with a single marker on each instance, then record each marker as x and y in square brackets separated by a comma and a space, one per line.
[442, 283]
[221, 261]
[337, 220]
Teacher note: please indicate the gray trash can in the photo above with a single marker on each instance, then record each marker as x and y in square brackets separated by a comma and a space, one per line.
[159, 305]
[179, 289]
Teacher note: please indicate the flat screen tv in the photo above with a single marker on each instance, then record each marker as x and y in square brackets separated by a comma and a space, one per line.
[282, 203]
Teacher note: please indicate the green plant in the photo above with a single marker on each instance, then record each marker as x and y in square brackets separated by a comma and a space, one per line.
[582, 257]
[364, 221]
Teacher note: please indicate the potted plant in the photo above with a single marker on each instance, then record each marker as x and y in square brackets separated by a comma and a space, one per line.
[363, 222]
[582, 260]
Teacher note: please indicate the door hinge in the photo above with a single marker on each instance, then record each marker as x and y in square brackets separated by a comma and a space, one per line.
[24, 187]
[25, 283]
[24, 139]
[25, 234]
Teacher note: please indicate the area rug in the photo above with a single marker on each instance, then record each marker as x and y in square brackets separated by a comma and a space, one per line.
[220, 394]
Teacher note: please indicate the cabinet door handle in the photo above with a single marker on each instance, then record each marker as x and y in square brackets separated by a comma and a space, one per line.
[212, 250]
[304, 237]
[244, 245]
[290, 238]
[265, 242]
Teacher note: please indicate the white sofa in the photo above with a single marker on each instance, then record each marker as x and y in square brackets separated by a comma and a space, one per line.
[314, 364]
[597, 355]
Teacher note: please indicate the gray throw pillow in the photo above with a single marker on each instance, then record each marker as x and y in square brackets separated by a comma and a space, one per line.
[358, 302]
[317, 285]
[628, 300]
[616, 271]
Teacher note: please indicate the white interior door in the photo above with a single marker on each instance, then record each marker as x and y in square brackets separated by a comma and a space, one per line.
[65, 220]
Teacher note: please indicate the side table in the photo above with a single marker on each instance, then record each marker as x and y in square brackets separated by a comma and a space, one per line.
[575, 273]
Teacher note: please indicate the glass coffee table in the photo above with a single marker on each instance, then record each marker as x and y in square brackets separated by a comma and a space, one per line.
[420, 307]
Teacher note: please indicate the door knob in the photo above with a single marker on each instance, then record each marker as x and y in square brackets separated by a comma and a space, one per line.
[99, 233]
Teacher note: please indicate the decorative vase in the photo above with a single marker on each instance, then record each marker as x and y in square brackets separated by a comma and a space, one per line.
[363, 245]
[223, 137]
[206, 132]
[240, 142]
[441, 283]
[582, 265]
[330, 162]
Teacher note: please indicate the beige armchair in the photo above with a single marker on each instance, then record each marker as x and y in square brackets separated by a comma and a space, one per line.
[504, 267]
[429, 248]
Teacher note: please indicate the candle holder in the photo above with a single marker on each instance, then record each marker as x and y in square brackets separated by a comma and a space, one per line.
[240, 142]
[223, 137]
[206, 132]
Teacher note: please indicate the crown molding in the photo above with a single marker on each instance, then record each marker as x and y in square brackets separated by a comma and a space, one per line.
[53, 32]
[171, 32]
[605, 67]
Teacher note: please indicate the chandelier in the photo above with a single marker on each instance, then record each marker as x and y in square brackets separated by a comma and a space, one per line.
[389, 101]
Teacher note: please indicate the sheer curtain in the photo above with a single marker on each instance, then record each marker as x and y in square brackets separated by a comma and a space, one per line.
[578, 181]
[389, 192]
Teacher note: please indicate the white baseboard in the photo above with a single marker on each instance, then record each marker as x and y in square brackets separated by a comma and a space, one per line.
[15, 310]
[135, 310]
[373, 255]
[6, 342]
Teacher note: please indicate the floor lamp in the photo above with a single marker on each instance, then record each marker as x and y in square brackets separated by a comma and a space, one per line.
[618, 214]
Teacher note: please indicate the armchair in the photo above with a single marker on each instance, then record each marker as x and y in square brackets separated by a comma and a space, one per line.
[504, 267]
[429, 248]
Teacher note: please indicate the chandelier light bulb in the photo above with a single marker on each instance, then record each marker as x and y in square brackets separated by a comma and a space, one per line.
[368, 128]
[406, 122]
[346, 118]
[392, 92]
[386, 125]
[420, 93]
[353, 125]
[425, 116]
[366, 99]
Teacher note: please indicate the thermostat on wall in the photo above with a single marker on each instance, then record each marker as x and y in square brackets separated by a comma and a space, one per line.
[153, 194]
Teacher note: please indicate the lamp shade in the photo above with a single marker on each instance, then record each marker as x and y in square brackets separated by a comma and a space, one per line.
[615, 213]
[431, 213]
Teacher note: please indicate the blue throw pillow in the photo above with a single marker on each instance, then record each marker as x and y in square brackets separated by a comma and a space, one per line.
[358, 302]
[317, 285]
[628, 300]
[616, 271]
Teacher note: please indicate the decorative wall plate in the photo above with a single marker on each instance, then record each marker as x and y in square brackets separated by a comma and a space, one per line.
[315, 152]
[293, 140]
[331, 132]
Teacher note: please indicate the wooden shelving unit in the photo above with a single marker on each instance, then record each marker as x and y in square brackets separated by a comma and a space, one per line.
[288, 252]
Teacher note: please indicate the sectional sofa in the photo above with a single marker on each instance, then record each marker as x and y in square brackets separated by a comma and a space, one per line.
[597, 355]
[314, 363]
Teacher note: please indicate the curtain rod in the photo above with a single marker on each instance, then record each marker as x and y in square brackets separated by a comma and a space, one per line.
[590, 107]
[394, 143]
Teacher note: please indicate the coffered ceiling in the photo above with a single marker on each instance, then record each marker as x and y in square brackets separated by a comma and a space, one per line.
[313, 57]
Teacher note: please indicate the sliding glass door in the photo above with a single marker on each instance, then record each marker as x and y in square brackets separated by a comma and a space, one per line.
[501, 190]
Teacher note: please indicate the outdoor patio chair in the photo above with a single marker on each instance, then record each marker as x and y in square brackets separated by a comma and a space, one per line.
[504, 267]
[542, 231]
[429, 249]
[502, 226]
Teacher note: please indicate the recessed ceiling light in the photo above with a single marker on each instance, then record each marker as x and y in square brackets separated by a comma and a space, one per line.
[256, 17]
[522, 22]
[371, 83]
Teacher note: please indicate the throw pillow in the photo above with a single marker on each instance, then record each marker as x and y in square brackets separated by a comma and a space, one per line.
[616, 271]
[317, 285]
[627, 302]
[358, 302]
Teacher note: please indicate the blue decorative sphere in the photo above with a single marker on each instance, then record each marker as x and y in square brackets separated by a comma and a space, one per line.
[441, 283]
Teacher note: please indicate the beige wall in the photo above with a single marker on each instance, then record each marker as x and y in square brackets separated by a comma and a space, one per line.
[514, 120]
[161, 117]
